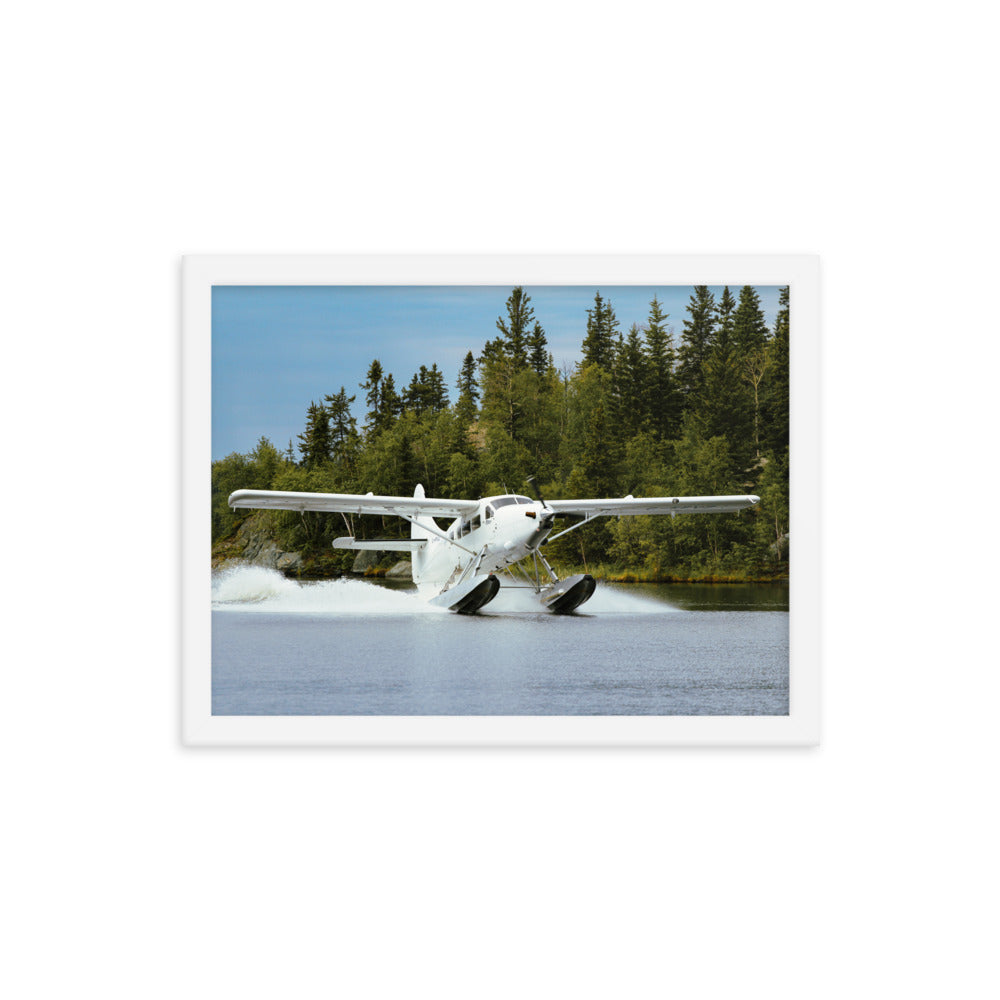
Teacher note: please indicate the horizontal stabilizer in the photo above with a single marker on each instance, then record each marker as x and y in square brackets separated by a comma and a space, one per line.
[380, 544]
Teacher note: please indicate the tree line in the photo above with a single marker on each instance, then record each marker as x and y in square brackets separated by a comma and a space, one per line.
[643, 413]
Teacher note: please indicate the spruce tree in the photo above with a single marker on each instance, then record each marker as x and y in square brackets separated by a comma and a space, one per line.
[435, 390]
[415, 396]
[723, 407]
[662, 398]
[724, 315]
[749, 327]
[631, 382]
[750, 337]
[516, 327]
[539, 359]
[775, 403]
[392, 405]
[696, 342]
[373, 396]
[314, 441]
[599, 343]
[468, 392]
[342, 425]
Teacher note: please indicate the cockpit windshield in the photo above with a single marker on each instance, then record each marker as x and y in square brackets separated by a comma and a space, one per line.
[505, 501]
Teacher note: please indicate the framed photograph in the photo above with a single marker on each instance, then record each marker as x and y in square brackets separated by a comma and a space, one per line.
[500, 500]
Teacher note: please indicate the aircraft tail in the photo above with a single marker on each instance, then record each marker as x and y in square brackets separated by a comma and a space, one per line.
[418, 557]
[417, 525]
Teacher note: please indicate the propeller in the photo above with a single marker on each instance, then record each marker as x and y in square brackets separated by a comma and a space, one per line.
[536, 492]
[549, 514]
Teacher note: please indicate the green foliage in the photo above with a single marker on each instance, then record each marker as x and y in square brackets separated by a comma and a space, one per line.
[314, 441]
[662, 392]
[749, 329]
[344, 440]
[776, 393]
[426, 392]
[538, 358]
[696, 341]
[256, 471]
[599, 343]
[636, 417]
[468, 394]
[379, 397]
[516, 328]
[631, 380]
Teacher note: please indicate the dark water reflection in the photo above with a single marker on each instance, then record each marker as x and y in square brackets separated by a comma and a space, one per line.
[716, 596]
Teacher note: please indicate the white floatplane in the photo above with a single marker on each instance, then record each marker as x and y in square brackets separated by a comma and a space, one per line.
[458, 567]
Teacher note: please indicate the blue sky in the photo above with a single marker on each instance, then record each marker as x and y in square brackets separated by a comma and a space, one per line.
[275, 349]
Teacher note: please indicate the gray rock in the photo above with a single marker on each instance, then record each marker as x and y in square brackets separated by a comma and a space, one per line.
[366, 559]
[403, 570]
[259, 548]
[288, 561]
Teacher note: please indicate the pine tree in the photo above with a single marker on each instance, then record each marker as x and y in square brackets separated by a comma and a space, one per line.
[599, 343]
[515, 329]
[696, 342]
[343, 432]
[662, 398]
[722, 407]
[749, 328]
[374, 397]
[392, 405]
[426, 392]
[775, 403]
[539, 359]
[468, 392]
[435, 390]
[314, 441]
[724, 316]
[631, 379]
[415, 396]
[750, 337]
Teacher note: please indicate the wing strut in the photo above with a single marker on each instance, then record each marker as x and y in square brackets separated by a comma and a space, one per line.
[587, 518]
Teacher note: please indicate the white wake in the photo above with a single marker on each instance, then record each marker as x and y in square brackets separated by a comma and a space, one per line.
[255, 588]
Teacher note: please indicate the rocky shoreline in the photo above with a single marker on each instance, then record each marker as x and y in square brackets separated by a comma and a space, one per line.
[254, 546]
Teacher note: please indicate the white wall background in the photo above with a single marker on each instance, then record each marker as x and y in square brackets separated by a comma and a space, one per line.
[860, 131]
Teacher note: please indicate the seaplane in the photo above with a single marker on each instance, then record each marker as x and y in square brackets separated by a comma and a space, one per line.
[460, 567]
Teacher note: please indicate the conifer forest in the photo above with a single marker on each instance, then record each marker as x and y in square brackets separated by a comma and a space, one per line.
[647, 411]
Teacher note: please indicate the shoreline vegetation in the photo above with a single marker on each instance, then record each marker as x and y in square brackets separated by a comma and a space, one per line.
[641, 414]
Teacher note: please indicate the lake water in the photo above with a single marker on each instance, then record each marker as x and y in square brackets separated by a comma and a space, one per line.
[353, 647]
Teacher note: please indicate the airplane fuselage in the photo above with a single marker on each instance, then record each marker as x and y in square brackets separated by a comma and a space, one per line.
[504, 530]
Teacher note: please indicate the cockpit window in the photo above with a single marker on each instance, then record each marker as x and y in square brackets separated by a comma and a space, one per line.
[505, 501]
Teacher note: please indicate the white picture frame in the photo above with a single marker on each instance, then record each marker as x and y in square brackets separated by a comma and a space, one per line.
[199, 727]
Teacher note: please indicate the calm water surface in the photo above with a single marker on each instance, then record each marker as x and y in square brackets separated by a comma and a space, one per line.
[351, 647]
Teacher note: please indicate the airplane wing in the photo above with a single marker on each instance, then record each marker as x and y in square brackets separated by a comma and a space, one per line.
[353, 503]
[654, 505]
